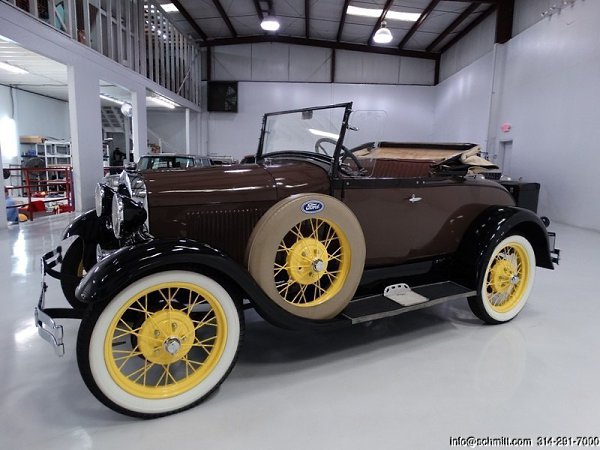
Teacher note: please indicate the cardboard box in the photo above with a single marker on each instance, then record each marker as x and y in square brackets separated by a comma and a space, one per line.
[32, 139]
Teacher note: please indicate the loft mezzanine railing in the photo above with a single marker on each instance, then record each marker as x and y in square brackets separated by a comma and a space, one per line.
[134, 33]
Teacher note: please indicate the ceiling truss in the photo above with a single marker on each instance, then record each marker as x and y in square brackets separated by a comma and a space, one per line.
[464, 21]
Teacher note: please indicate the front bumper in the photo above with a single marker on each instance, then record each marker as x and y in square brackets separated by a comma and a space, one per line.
[48, 329]
[554, 252]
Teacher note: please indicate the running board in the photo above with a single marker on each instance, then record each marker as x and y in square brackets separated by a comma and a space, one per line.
[365, 309]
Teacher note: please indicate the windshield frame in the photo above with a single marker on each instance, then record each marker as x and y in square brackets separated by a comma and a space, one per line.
[333, 159]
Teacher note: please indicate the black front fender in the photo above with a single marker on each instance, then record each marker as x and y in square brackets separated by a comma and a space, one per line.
[92, 229]
[115, 272]
[489, 229]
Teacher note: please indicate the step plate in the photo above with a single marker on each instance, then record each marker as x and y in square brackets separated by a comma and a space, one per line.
[376, 307]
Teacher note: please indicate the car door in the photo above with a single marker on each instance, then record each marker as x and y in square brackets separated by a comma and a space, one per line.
[386, 214]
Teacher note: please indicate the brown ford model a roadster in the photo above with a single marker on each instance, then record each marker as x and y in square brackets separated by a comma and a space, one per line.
[314, 235]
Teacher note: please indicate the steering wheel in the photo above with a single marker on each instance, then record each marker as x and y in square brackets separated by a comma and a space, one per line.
[344, 168]
[319, 145]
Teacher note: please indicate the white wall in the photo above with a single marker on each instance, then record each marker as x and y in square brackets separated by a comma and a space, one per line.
[34, 115]
[284, 62]
[551, 96]
[169, 128]
[409, 111]
[469, 49]
[462, 105]
[39, 115]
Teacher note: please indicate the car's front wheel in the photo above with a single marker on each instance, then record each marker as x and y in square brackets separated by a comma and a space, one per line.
[161, 345]
[505, 281]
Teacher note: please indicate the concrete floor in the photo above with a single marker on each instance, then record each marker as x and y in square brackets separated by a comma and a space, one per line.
[409, 382]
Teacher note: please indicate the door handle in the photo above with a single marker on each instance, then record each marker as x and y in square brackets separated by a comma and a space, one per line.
[414, 199]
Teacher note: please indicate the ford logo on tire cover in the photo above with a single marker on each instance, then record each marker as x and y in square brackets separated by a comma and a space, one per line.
[313, 206]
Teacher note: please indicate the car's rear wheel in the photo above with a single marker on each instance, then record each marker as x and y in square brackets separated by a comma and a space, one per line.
[307, 253]
[73, 267]
[505, 280]
[161, 345]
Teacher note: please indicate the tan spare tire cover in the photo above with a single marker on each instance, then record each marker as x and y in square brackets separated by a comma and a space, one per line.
[308, 253]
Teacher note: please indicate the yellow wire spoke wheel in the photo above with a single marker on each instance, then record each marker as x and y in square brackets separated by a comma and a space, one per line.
[507, 280]
[170, 352]
[311, 263]
[308, 262]
[162, 344]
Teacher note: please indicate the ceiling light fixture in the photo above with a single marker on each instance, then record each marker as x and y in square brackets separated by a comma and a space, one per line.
[12, 69]
[162, 101]
[108, 98]
[383, 35]
[390, 15]
[269, 23]
[169, 7]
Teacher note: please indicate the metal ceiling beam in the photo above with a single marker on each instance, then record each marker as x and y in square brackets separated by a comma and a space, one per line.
[342, 21]
[418, 23]
[259, 12]
[319, 43]
[386, 8]
[504, 20]
[190, 20]
[307, 18]
[460, 19]
[474, 1]
[484, 15]
[225, 17]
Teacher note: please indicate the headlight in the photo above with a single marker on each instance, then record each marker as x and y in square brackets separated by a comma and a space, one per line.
[127, 215]
[112, 181]
[103, 199]
[99, 198]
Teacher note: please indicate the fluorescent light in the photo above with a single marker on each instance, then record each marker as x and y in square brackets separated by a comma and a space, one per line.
[169, 7]
[162, 101]
[383, 35]
[111, 99]
[12, 69]
[270, 23]
[393, 15]
[324, 134]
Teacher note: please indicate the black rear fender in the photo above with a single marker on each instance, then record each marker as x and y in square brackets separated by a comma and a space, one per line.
[489, 229]
[120, 269]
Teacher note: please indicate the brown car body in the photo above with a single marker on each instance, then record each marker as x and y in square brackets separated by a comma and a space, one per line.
[221, 205]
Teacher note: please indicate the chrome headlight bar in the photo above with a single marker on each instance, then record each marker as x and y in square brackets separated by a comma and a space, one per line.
[127, 216]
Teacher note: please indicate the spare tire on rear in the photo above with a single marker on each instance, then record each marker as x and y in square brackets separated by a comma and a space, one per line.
[308, 253]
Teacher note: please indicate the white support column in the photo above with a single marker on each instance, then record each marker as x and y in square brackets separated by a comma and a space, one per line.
[3, 221]
[139, 122]
[86, 133]
[192, 132]
[204, 138]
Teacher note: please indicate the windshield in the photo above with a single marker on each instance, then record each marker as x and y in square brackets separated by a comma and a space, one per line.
[165, 162]
[313, 130]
